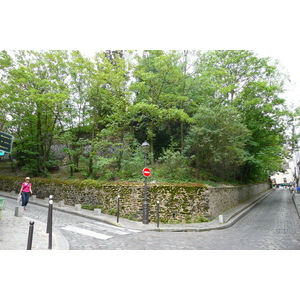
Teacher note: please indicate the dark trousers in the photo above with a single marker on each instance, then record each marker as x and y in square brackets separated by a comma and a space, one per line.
[25, 198]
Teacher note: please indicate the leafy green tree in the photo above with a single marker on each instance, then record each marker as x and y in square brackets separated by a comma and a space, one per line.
[33, 91]
[74, 123]
[107, 97]
[158, 106]
[252, 85]
[293, 134]
[228, 72]
[174, 166]
[264, 114]
[5, 64]
[217, 141]
[222, 111]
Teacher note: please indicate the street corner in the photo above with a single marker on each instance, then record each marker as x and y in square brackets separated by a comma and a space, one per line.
[15, 231]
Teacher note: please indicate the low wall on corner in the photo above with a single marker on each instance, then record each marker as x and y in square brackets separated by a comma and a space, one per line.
[223, 198]
[178, 202]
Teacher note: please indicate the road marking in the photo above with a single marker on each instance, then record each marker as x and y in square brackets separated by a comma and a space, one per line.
[90, 233]
[133, 230]
[106, 227]
[117, 230]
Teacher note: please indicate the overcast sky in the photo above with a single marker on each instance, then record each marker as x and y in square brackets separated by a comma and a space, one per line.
[290, 60]
[270, 28]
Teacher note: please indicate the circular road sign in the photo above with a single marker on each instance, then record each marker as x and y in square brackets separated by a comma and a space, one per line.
[146, 172]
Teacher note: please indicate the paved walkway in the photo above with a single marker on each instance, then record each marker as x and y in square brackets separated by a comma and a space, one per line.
[14, 230]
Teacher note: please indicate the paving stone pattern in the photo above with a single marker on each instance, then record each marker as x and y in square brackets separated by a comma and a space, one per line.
[16, 238]
[272, 225]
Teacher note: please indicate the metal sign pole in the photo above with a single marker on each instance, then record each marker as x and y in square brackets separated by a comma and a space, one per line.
[145, 204]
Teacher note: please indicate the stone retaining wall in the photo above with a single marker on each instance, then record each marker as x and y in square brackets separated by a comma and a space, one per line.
[178, 202]
[223, 198]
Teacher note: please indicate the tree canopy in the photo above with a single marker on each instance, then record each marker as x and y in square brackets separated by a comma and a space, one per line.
[213, 115]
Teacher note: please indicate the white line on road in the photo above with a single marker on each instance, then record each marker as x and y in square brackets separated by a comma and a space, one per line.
[105, 227]
[133, 230]
[90, 233]
[114, 229]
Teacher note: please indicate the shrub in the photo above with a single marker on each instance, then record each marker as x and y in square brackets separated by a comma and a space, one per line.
[174, 167]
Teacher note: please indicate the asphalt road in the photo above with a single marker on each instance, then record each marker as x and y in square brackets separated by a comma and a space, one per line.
[272, 224]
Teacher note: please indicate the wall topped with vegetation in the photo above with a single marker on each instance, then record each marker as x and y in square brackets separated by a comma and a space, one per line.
[178, 202]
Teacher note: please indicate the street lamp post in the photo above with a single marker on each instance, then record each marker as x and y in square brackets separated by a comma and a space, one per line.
[145, 148]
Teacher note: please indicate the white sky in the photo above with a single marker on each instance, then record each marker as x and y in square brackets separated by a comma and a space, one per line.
[290, 61]
[270, 28]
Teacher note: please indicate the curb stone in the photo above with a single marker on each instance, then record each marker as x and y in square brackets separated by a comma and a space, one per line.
[236, 216]
[231, 217]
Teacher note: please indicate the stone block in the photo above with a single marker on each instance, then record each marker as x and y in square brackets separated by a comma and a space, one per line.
[221, 219]
[61, 203]
[18, 211]
[77, 207]
[97, 211]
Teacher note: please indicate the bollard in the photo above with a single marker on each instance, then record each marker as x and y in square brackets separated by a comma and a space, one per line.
[97, 211]
[61, 203]
[30, 235]
[48, 217]
[18, 211]
[77, 207]
[118, 209]
[157, 213]
[49, 222]
[221, 219]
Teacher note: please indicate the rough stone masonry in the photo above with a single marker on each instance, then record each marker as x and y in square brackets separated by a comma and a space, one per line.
[178, 202]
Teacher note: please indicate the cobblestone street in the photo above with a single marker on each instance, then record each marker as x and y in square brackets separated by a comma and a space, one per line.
[272, 224]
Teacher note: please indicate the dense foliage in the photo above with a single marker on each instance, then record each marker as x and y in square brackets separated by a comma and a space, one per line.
[207, 115]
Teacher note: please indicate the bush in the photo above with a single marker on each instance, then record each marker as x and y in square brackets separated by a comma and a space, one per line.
[174, 167]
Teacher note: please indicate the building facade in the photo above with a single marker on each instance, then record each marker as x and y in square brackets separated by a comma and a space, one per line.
[290, 176]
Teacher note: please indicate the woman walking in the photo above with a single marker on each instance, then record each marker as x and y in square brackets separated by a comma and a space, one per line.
[25, 192]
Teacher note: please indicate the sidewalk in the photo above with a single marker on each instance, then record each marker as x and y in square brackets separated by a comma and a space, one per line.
[14, 234]
[296, 200]
[14, 230]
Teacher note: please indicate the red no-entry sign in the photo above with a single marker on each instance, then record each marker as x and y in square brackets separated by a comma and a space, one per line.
[146, 172]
